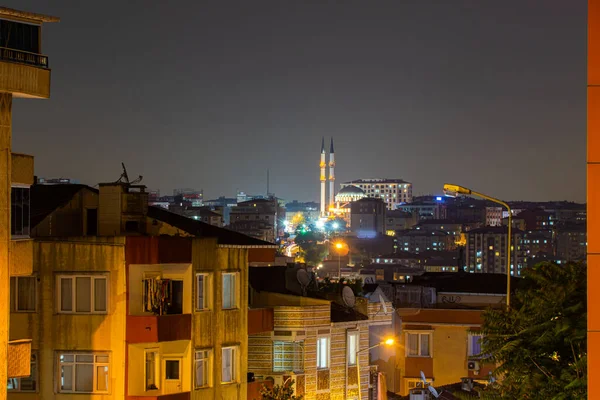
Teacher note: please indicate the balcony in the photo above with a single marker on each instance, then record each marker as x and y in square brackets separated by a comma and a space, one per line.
[23, 57]
[260, 320]
[19, 358]
[154, 328]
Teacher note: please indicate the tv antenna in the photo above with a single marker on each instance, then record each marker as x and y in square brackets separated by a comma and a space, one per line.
[124, 178]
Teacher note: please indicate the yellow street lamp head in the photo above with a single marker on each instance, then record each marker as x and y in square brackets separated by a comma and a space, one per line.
[338, 245]
[389, 341]
[451, 190]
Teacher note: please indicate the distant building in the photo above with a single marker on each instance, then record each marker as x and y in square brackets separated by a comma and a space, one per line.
[309, 210]
[56, 181]
[536, 245]
[204, 214]
[258, 218]
[571, 242]
[486, 250]
[426, 209]
[533, 219]
[396, 220]
[367, 217]
[493, 216]
[393, 192]
[421, 240]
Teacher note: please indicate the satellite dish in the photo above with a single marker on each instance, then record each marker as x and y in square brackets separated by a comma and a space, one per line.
[383, 306]
[348, 296]
[303, 278]
[433, 391]
[423, 378]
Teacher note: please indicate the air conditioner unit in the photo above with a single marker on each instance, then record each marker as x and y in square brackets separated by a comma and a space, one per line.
[473, 365]
[418, 394]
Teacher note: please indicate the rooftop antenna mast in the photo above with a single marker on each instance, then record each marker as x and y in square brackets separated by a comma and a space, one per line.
[124, 178]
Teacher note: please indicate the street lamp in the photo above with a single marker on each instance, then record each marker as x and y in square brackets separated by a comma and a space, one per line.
[387, 342]
[339, 246]
[454, 190]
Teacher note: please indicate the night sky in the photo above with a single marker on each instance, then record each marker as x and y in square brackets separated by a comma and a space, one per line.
[209, 95]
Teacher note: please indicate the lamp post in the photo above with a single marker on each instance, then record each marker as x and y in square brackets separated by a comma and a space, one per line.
[454, 190]
[387, 342]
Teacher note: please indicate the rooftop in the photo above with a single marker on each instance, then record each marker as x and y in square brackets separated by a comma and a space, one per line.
[376, 180]
[11, 12]
[45, 199]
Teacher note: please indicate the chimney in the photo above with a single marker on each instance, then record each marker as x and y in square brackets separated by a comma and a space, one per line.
[122, 209]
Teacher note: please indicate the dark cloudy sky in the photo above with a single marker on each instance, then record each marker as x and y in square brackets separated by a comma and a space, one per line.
[210, 94]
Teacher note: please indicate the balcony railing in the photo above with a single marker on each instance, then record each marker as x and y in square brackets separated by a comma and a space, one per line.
[23, 57]
[164, 328]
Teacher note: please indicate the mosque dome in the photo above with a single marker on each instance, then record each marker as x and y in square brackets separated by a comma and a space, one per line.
[350, 193]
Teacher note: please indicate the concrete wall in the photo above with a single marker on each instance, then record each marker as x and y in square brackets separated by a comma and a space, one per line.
[70, 219]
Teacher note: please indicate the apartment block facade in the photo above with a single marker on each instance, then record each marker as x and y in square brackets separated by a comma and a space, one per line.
[393, 192]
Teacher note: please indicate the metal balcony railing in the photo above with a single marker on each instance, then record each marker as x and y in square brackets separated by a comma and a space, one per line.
[23, 57]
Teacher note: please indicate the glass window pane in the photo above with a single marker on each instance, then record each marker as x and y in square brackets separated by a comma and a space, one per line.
[66, 294]
[227, 367]
[102, 378]
[200, 292]
[425, 344]
[66, 377]
[227, 289]
[12, 384]
[29, 384]
[26, 293]
[101, 359]
[83, 293]
[172, 369]
[84, 358]
[66, 358]
[352, 348]
[413, 344]
[100, 294]
[84, 377]
[151, 378]
[200, 373]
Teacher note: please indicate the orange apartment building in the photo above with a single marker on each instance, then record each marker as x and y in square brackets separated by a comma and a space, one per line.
[131, 301]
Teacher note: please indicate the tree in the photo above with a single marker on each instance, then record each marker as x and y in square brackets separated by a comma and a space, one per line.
[280, 392]
[540, 345]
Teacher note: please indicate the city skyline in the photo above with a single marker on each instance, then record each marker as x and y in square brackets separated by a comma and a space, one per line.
[488, 105]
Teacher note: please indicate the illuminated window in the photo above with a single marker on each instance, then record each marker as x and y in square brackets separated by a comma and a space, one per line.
[474, 345]
[323, 352]
[83, 372]
[352, 347]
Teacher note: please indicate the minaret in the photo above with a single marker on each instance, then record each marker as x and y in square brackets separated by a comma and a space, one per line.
[331, 176]
[323, 178]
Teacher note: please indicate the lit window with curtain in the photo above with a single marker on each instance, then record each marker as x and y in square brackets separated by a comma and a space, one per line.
[229, 295]
[228, 364]
[202, 291]
[418, 344]
[152, 369]
[202, 368]
[83, 372]
[474, 345]
[86, 294]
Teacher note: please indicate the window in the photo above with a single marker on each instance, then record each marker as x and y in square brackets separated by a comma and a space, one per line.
[323, 352]
[353, 342]
[417, 344]
[202, 368]
[22, 293]
[202, 292]
[82, 294]
[228, 367]
[83, 372]
[229, 290]
[28, 384]
[152, 370]
[19, 211]
[288, 356]
[474, 345]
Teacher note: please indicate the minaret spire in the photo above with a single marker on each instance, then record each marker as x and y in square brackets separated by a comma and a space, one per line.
[331, 176]
[323, 178]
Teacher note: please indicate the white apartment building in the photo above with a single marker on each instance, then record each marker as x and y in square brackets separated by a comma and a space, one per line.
[393, 192]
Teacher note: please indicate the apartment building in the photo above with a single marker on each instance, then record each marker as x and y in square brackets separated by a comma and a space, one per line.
[393, 192]
[152, 304]
[320, 343]
[24, 73]
[486, 250]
